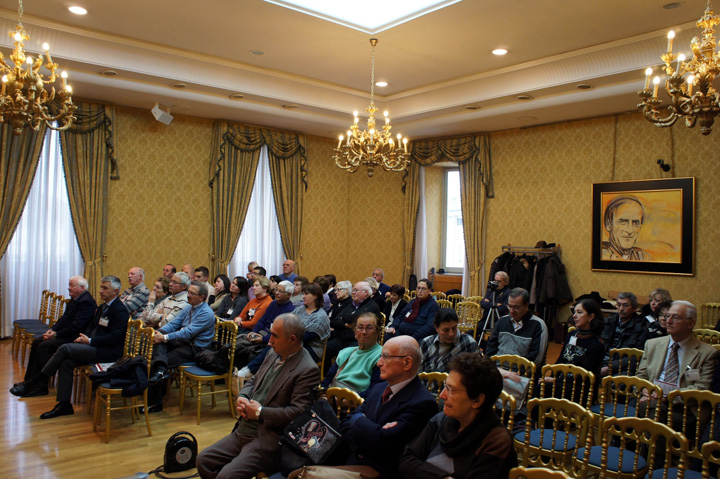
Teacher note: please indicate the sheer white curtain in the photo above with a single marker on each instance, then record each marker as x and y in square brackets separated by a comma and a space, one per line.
[43, 253]
[260, 238]
[421, 262]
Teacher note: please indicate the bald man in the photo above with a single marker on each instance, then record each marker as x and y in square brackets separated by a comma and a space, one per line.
[135, 298]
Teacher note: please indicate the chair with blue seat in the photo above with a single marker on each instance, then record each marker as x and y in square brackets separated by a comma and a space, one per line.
[19, 325]
[569, 382]
[505, 408]
[628, 360]
[711, 455]
[619, 396]
[29, 329]
[194, 376]
[699, 412]
[517, 364]
[635, 451]
[557, 429]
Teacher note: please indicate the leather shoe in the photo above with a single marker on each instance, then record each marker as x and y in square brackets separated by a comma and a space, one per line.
[158, 376]
[20, 389]
[151, 409]
[60, 409]
[35, 392]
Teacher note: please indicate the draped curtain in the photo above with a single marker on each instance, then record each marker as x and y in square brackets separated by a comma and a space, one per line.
[234, 160]
[473, 156]
[89, 163]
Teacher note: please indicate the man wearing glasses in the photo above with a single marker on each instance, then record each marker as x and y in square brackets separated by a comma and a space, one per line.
[394, 412]
[171, 305]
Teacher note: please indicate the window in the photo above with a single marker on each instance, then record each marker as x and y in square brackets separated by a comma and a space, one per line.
[453, 234]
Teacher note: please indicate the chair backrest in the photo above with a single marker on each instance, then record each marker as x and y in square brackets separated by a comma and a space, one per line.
[343, 400]
[381, 333]
[226, 333]
[628, 359]
[711, 454]
[695, 404]
[133, 330]
[59, 306]
[469, 314]
[624, 393]
[144, 343]
[517, 364]
[709, 314]
[434, 382]
[438, 295]
[455, 299]
[52, 308]
[536, 473]
[640, 436]
[411, 294]
[505, 408]
[44, 305]
[709, 336]
[570, 382]
[444, 303]
[474, 299]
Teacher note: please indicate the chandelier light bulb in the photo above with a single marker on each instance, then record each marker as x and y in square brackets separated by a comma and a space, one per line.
[46, 46]
[18, 37]
[29, 60]
[670, 36]
[648, 73]
[68, 88]
[656, 83]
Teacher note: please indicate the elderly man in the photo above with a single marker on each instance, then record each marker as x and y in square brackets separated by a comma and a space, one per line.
[102, 342]
[202, 274]
[250, 275]
[341, 326]
[168, 308]
[521, 332]
[417, 318]
[169, 270]
[625, 329]
[379, 275]
[188, 269]
[135, 298]
[78, 314]
[281, 390]
[439, 349]
[395, 411]
[496, 296]
[623, 220]
[179, 340]
[288, 273]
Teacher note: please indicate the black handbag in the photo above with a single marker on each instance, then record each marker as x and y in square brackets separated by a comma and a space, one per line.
[215, 358]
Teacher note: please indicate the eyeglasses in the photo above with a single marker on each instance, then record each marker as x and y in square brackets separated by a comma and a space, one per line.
[386, 356]
[453, 391]
[175, 282]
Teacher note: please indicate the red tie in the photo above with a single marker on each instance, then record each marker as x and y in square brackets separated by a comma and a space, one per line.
[386, 394]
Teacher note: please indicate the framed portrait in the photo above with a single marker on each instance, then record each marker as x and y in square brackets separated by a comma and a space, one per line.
[644, 226]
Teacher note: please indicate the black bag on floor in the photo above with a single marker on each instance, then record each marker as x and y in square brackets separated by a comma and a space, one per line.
[216, 358]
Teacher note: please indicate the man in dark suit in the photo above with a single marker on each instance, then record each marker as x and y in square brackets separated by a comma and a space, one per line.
[281, 390]
[102, 342]
[395, 411]
[78, 314]
[379, 275]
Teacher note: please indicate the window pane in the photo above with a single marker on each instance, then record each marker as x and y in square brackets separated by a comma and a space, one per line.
[454, 236]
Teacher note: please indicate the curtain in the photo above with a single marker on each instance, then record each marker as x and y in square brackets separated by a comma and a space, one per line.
[89, 160]
[474, 158]
[260, 238]
[43, 252]
[421, 265]
[236, 150]
[411, 202]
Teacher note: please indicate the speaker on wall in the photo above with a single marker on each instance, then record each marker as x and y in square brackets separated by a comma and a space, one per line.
[162, 113]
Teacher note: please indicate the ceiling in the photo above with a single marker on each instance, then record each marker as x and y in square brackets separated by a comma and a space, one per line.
[313, 74]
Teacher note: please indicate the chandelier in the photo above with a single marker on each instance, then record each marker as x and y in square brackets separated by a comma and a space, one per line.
[374, 147]
[692, 96]
[27, 93]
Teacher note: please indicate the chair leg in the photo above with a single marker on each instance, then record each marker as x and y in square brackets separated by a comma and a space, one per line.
[145, 409]
[96, 416]
[182, 391]
[88, 389]
[199, 400]
[212, 393]
[107, 420]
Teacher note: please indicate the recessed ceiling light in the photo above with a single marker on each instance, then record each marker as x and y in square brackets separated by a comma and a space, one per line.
[257, 52]
[381, 83]
[109, 73]
[584, 86]
[524, 97]
[237, 96]
[290, 107]
[178, 85]
[472, 107]
[77, 10]
[499, 52]
[672, 5]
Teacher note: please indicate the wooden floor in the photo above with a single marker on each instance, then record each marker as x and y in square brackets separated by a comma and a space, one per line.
[67, 447]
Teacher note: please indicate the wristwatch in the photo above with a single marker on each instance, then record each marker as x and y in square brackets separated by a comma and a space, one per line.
[257, 413]
[164, 338]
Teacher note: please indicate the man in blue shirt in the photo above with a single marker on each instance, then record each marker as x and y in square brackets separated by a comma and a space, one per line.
[178, 341]
[288, 273]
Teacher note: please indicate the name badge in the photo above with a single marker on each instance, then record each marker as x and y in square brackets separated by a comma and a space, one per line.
[104, 322]
[251, 312]
[573, 341]
[692, 375]
[408, 314]
[229, 313]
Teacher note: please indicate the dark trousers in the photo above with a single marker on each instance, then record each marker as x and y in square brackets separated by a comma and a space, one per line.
[168, 355]
[40, 353]
[236, 456]
[65, 360]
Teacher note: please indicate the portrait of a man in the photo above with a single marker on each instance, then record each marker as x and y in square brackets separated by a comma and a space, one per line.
[623, 220]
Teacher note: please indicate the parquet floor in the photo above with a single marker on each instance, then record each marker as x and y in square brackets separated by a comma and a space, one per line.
[67, 447]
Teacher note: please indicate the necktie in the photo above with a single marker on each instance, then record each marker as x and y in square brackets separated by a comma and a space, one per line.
[386, 395]
[672, 367]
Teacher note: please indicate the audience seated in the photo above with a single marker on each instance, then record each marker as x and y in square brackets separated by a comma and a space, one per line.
[583, 347]
[135, 298]
[234, 303]
[623, 330]
[180, 340]
[394, 412]
[313, 316]
[416, 319]
[222, 289]
[395, 303]
[379, 276]
[467, 439]
[343, 299]
[78, 314]
[658, 328]
[202, 274]
[331, 291]
[274, 281]
[166, 309]
[500, 293]
[651, 310]
[281, 390]
[324, 286]
[356, 366]
[189, 270]
[250, 276]
[102, 342]
[520, 333]
[254, 310]
[288, 273]
[342, 325]
[160, 291]
[439, 349]
[376, 296]
[169, 270]
[297, 297]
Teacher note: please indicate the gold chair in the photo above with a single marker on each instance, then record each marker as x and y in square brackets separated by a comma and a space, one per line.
[407, 297]
[699, 410]
[709, 314]
[320, 363]
[20, 325]
[505, 408]
[569, 382]
[474, 299]
[455, 299]
[444, 303]
[711, 454]
[536, 473]
[343, 400]
[708, 336]
[381, 333]
[194, 376]
[411, 294]
[143, 346]
[434, 382]
[628, 361]
[554, 430]
[635, 452]
[437, 295]
[28, 330]
[517, 364]
[469, 314]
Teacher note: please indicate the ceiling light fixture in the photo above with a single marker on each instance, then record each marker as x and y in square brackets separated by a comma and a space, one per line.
[77, 10]
[24, 99]
[373, 147]
[702, 104]
[381, 84]
[499, 52]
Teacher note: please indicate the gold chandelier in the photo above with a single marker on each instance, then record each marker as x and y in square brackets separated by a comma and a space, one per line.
[27, 93]
[373, 147]
[694, 96]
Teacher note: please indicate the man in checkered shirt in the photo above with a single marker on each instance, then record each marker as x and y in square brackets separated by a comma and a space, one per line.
[439, 349]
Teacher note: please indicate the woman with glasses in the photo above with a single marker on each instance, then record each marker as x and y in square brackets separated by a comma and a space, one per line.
[467, 439]
[416, 319]
[356, 366]
[233, 304]
[651, 312]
